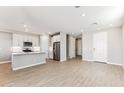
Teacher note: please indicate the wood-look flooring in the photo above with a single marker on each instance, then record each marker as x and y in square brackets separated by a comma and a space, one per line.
[71, 73]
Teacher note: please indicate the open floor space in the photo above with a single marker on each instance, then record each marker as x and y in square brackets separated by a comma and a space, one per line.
[71, 73]
[61, 46]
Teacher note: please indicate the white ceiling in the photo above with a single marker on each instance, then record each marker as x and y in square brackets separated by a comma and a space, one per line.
[67, 19]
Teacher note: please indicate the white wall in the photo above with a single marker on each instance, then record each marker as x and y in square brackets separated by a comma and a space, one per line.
[63, 46]
[114, 45]
[71, 47]
[5, 46]
[44, 44]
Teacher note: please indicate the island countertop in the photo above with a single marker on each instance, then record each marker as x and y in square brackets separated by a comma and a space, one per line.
[26, 53]
[22, 60]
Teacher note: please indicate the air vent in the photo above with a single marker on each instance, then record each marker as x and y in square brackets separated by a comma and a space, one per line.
[77, 6]
[95, 23]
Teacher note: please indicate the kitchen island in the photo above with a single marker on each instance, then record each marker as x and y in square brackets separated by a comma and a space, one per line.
[27, 59]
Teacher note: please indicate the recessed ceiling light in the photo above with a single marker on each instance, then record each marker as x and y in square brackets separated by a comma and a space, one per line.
[83, 14]
[72, 33]
[25, 25]
[110, 24]
[49, 32]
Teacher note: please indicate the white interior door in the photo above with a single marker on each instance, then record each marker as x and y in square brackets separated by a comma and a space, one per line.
[100, 46]
[79, 47]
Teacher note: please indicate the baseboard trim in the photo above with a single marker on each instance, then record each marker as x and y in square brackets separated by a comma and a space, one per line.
[106, 62]
[14, 69]
[115, 64]
[3, 62]
[63, 60]
[87, 60]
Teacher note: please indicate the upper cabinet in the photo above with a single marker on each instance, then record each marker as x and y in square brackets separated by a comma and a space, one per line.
[18, 39]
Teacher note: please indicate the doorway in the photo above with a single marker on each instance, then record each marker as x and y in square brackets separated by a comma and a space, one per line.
[56, 51]
[100, 47]
[78, 46]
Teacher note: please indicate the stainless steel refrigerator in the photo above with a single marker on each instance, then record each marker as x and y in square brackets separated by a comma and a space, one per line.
[56, 51]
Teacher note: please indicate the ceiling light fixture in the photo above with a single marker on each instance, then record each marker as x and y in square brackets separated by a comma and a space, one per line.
[72, 33]
[83, 14]
[49, 32]
[110, 24]
[25, 26]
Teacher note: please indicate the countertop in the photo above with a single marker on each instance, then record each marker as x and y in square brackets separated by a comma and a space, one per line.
[28, 53]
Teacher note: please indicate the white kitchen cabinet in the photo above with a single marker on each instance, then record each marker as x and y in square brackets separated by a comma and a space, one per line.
[18, 39]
